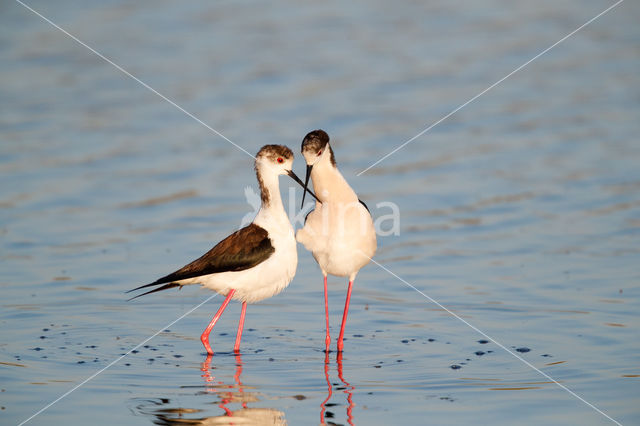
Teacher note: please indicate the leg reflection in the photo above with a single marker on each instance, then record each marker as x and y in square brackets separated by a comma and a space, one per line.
[323, 406]
[236, 394]
[205, 367]
[347, 389]
[237, 379]
[164, 412]
[217, 387]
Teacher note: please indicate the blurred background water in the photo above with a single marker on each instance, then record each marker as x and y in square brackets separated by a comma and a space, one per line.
[520, 213]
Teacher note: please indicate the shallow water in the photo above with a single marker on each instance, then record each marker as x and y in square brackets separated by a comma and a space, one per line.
[520, 213]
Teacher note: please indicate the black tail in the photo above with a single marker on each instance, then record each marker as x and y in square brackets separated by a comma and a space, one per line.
[164, 287]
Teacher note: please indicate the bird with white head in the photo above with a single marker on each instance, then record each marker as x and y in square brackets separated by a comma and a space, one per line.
[255, 262]
[339, 232]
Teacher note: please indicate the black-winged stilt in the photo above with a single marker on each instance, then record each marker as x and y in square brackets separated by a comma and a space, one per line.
[339, 232]
[255, 262]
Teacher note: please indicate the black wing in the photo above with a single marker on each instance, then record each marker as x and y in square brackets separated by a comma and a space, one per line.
[241, 250]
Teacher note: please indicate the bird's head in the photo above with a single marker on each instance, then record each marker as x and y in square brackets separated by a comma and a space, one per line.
[274, 159]
[277, 160]
[316, 148]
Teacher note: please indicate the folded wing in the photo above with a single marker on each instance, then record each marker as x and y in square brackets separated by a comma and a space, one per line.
[241, 250]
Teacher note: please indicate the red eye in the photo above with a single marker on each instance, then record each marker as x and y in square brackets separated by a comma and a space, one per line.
[319, 153]
[279, 160]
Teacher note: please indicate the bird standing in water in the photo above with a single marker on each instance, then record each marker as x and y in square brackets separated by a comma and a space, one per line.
[339, 232]
[255, 262]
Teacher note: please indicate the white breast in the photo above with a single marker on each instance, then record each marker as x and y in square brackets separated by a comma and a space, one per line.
[341, 237]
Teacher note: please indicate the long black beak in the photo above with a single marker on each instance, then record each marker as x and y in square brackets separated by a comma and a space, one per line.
[306, 185]
[295, 177]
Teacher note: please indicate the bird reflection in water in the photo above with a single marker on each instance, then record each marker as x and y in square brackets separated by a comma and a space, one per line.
[344, 386]
[227, 394]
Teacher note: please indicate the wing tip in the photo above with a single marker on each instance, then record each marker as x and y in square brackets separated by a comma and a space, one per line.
[142, 286]
[164, 287]
[159, 281]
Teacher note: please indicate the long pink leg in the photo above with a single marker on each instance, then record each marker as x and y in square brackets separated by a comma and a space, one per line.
[205, 334]
[327, 339]
[236, 348]
[344, 317]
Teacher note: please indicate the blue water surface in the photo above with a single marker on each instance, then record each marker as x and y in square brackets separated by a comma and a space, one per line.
[519, 215]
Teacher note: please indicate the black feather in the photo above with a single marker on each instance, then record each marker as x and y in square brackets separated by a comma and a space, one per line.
[164, 287]
[241, 250]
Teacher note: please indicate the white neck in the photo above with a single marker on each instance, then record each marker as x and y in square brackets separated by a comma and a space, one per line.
[272, 210]
[328, 182]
